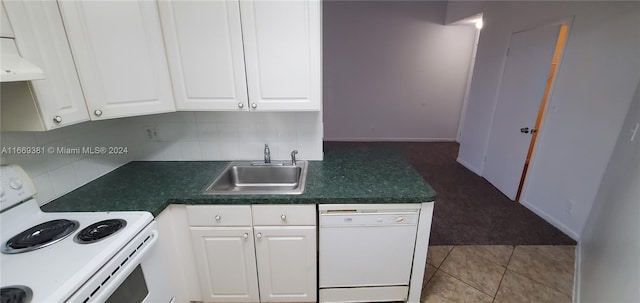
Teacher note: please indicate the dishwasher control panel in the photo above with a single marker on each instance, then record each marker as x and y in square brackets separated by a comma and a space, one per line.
[370, 219]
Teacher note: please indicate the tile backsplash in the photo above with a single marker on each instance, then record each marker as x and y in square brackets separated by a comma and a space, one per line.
[228, 135]
[180, 136]
[56, 172]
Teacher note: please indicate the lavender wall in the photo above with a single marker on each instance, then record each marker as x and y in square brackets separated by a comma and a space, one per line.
[392, 71]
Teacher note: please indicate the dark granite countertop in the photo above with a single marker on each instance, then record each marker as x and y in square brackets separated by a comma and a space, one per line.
[347, 175]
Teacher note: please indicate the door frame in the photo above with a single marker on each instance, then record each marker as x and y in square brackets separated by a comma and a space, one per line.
[550, 101]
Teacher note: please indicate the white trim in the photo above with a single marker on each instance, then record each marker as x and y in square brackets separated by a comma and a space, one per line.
[469, 166]
[391, 139]
[576, 271]
[551, 220]
[420, 253]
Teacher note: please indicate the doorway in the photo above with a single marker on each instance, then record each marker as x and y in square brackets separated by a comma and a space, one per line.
[534, 132]
[531, 63]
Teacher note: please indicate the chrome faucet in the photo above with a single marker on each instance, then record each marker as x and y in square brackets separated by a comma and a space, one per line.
[267, 154]
[293, 156]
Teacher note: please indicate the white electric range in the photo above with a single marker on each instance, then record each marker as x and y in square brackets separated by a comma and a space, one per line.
[75, 256]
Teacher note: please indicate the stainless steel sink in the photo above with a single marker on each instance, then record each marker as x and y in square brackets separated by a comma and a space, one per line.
[246, 177]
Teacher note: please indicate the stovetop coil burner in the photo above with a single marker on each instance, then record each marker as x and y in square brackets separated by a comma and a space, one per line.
[99, 230]
[39, 236]
[15, 294]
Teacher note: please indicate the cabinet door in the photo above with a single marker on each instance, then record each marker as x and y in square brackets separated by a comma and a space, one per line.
[41, 39]
[119, 54]
[204, 48]
[282, 41]
[226, 263]
[286, 258]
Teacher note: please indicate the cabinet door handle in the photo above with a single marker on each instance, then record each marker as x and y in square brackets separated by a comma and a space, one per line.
[254, 106]
[97, 112]
[218, 217]
[259, 235]
[57, 119]
[245, 236]
[240, 105]
[283, 217]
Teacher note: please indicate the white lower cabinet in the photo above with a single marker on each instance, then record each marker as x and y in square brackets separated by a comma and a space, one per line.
[226, 263]
[239, 260]
[286, 263]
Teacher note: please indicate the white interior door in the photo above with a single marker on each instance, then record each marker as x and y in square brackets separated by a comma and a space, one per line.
[521, 91]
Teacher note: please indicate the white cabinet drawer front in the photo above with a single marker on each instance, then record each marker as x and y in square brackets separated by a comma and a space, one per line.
[219, 215]
[284, 214]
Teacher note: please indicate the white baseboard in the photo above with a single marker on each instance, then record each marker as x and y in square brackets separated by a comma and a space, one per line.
[469, 166]
[571, 233]
[576, 273]
[391, 139]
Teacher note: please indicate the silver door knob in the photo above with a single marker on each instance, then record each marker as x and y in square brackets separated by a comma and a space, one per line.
[218, 217]
[254, 106]
[245, 236]
[283, 217]
[57, 119]
[524, 130]
[240, 105]
[259, 235]
[97, 112]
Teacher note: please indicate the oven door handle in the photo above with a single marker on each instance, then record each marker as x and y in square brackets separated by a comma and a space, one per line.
[125, 270]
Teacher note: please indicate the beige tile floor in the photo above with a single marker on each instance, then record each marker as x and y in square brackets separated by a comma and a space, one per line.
[499, 274]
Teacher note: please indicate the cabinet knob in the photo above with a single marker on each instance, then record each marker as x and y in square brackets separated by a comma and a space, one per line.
[218, 217]
[254, 106]
[259, 235]
[97, 112]
[57, 119]
[399, 219]
[283, 217]
[245, 236]
[240, 105]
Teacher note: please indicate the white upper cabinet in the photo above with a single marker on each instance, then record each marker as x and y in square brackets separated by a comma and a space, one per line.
[283, 54]
[204, 48]
[120, 58]
[41, 39]
[244, 55]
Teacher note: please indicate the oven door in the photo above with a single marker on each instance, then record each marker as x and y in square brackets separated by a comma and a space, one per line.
[136, 274]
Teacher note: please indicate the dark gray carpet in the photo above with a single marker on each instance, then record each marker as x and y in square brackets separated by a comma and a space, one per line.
[468, 209]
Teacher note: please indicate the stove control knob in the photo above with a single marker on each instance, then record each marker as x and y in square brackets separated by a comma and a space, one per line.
[15, 183]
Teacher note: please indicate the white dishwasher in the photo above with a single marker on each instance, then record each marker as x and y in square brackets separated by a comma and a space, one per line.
[366, 251]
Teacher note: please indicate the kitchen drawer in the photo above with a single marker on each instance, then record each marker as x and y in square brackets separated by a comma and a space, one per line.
[219, 215]
[284, 214]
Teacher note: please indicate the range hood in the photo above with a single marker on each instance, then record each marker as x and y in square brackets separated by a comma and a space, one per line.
[15, 68]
